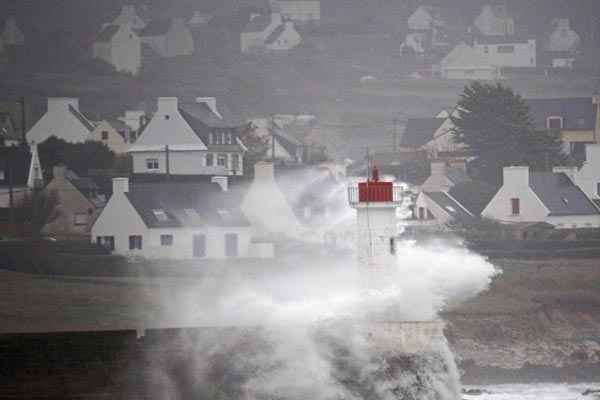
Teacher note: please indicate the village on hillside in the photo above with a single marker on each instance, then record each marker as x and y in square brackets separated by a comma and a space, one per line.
[77, 166]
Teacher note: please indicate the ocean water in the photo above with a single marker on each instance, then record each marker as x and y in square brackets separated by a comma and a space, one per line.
[537, 391]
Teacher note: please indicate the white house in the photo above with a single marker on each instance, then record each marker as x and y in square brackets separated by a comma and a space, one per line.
[507, 51]
[464, 62]
[434, 135]
[190, 141]
[120, 47]
[529, 196]
[563, 38]
[63, 120]
[129, 16]
[202, 221]
[494, 21]
[272, 32]
[12, 35]
[588, 176]
[114, 134]
[168, 37]
[300, 11]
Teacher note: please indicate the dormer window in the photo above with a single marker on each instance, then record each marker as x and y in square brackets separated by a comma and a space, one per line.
[160, 215]
[554, 123]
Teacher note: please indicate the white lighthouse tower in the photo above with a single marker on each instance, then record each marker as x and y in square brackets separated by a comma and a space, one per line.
[376, 202]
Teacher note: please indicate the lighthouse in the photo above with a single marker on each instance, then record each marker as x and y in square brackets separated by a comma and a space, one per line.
[375, 202]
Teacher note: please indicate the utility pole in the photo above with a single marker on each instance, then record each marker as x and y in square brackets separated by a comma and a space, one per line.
[23, 120]
[395, 133]
[9, 172]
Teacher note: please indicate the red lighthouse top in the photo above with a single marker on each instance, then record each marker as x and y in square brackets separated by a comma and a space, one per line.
[375, 191]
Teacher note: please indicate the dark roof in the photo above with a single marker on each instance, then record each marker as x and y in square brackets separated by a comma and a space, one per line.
[275, 34]
[107, 33]
[19, 158]
[156, 27]
[81, 118]
[419, 131]
[449, 205]
[457, 175]
[578, 113]
[560, 195]
[202, 113]
[211, 205]
[473, 195]
[258, 24]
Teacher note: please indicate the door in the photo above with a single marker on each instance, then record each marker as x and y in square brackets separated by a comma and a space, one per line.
[199, 245]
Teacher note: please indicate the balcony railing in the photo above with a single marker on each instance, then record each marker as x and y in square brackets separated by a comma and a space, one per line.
[375, 194]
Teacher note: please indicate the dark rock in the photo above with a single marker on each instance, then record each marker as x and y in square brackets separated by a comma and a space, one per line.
[590, 391]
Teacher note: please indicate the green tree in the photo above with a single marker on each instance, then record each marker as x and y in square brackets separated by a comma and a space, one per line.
[78, 157]
[495, 124]
[257, 148]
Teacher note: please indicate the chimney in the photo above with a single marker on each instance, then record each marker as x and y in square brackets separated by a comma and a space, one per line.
[264, 172]
[592, 153]
[167, 105]
[62, 103]
[221, 181]
[569, 171]
[120, 185]
[516, 176]
[59, 171]
[211, 103]
[438, 168]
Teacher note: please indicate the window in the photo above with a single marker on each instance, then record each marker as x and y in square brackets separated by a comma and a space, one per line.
[210, 138]
[392, 246]
[231, 244]
[108, 242]
[152, 163]
[421, 212]
[209, 160]
[506, 49]
[486, 49]
[80, 218]
[132, 137]
[554, 123]
[218, 138]
[222, 160]
[515, 206]
[235, 162]
[199, 245]
[104, 135]
[160, 215]
[135, 242]
[166, 240]
[229, 138]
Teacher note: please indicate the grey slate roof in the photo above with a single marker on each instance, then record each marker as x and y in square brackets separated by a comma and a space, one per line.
[473, 195]
[107, 33]
[419, 131]
[457, 175]
[578, 113]
[560, 195]
[212, 206]
[449, 205]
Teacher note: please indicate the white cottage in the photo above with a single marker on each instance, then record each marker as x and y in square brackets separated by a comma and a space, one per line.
[300, 11]
[272, 32]
[551, 197]
[465, 62]
[202, 221]
[12, 34]
[563, 38]
[63, 120]
[507, 51]
[193, 140]
[168, 37]
[114, 134]
[129, 16]
[494, 21]
[119, 46]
